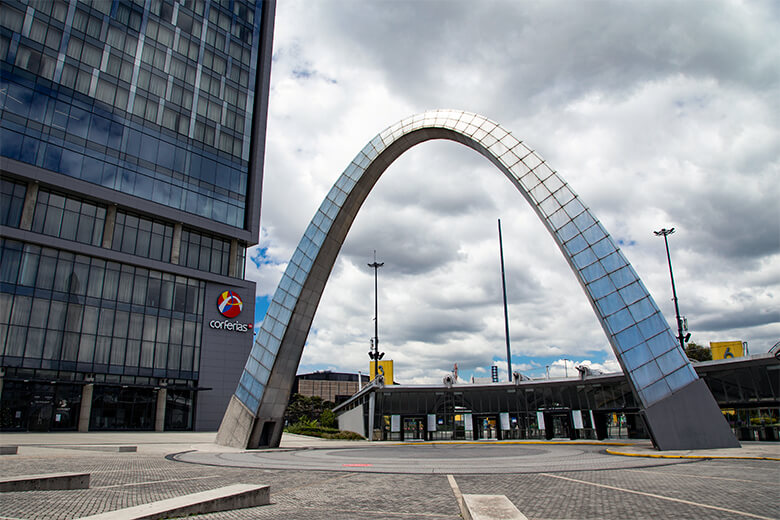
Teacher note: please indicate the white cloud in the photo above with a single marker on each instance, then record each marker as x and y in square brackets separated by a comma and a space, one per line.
[658, 115]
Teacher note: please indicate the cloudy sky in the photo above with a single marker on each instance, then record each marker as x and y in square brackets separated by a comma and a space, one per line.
[658, 114]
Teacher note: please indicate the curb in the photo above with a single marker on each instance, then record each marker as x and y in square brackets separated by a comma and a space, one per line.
[499, 443]
[659, 456]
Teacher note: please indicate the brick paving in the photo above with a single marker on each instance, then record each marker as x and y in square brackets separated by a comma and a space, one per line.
[124, 480]
[685, 489]
[749, 487]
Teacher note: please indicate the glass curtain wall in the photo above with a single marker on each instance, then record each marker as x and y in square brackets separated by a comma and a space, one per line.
[63, 311]
[149, 99]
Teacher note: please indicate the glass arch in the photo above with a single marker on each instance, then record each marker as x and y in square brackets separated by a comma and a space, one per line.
[643, 343]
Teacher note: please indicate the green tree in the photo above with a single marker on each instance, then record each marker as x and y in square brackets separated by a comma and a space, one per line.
[305, 407]
[328, 419]
[696, 352]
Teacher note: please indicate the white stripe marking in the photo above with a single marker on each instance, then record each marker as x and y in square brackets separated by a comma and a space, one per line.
[653, 495]
[154, 482]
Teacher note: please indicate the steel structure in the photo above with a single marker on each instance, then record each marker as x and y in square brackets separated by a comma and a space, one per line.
[678, 408]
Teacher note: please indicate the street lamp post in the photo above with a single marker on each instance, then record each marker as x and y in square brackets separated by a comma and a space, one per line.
[506, 311]
[665, 233]
[374, 353]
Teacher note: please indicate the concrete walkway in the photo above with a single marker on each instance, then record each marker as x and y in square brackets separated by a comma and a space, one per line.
[169, 442]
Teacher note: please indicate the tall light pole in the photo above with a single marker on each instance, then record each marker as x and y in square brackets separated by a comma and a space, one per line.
[506, 311]
[374, 354]
[665, 233]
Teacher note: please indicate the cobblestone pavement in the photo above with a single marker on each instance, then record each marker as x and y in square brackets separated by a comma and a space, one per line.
[708, 489]
[127, 479]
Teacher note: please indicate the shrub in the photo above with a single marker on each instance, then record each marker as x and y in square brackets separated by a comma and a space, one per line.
[328, 418]
[345, 435]
[305, 427]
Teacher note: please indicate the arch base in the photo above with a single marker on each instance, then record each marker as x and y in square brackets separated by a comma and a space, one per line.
[240, 428]
[689, 419]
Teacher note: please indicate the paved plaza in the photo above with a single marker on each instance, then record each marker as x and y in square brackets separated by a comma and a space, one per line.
[315, 479]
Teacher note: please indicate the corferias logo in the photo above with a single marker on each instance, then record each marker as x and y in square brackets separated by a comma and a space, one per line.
[229, 304]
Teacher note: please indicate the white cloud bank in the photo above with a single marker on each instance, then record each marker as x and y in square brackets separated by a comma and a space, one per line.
[661, 114]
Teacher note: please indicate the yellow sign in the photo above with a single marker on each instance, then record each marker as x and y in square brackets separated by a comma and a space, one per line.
[385, 368]
[726, 349]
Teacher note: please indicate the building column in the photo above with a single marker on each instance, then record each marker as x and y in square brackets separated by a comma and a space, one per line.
[233, 258]
[28, 210]
[371, 412]
[159, 417]
[108, 227]
[86, 407]
[176, 243]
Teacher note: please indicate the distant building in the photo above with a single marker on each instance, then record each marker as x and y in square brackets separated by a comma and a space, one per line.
[336, 387]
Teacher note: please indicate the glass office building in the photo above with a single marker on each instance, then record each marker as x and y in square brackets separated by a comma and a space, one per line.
[132, 137]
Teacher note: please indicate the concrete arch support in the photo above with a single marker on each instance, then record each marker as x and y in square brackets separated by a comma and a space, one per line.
[678, 408]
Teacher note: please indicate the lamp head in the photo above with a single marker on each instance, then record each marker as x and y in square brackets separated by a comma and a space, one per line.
[664, 232]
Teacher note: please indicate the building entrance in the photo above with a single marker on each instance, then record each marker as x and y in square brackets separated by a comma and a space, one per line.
[41, 407]
[40, 415]
[413, 429]
[486, 427]
[558, 424]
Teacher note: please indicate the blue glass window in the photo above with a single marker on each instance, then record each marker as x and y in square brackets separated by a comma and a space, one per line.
[68, 217]
[641, 310]
[681, 378]
[632, 293]
[584, 258]
[593, 272]
[653, 325]
[671, 361]
[636, 357]
[600, 288]
[646, 374]
[142, 236]
[628, 338]
[655, 392]
[76, 315]
[11, 202]
[620, 320]
[610, 304]
[205, 252]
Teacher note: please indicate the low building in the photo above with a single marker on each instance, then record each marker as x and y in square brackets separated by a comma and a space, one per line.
[592, 407]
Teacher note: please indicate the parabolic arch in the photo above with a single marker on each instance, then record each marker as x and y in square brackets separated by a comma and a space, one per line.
[678, 408]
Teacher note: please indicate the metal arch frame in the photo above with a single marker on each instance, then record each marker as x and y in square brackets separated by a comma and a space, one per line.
[678, 408]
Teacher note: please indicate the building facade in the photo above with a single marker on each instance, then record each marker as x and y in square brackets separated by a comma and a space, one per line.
[132, 138]
[591, 407]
